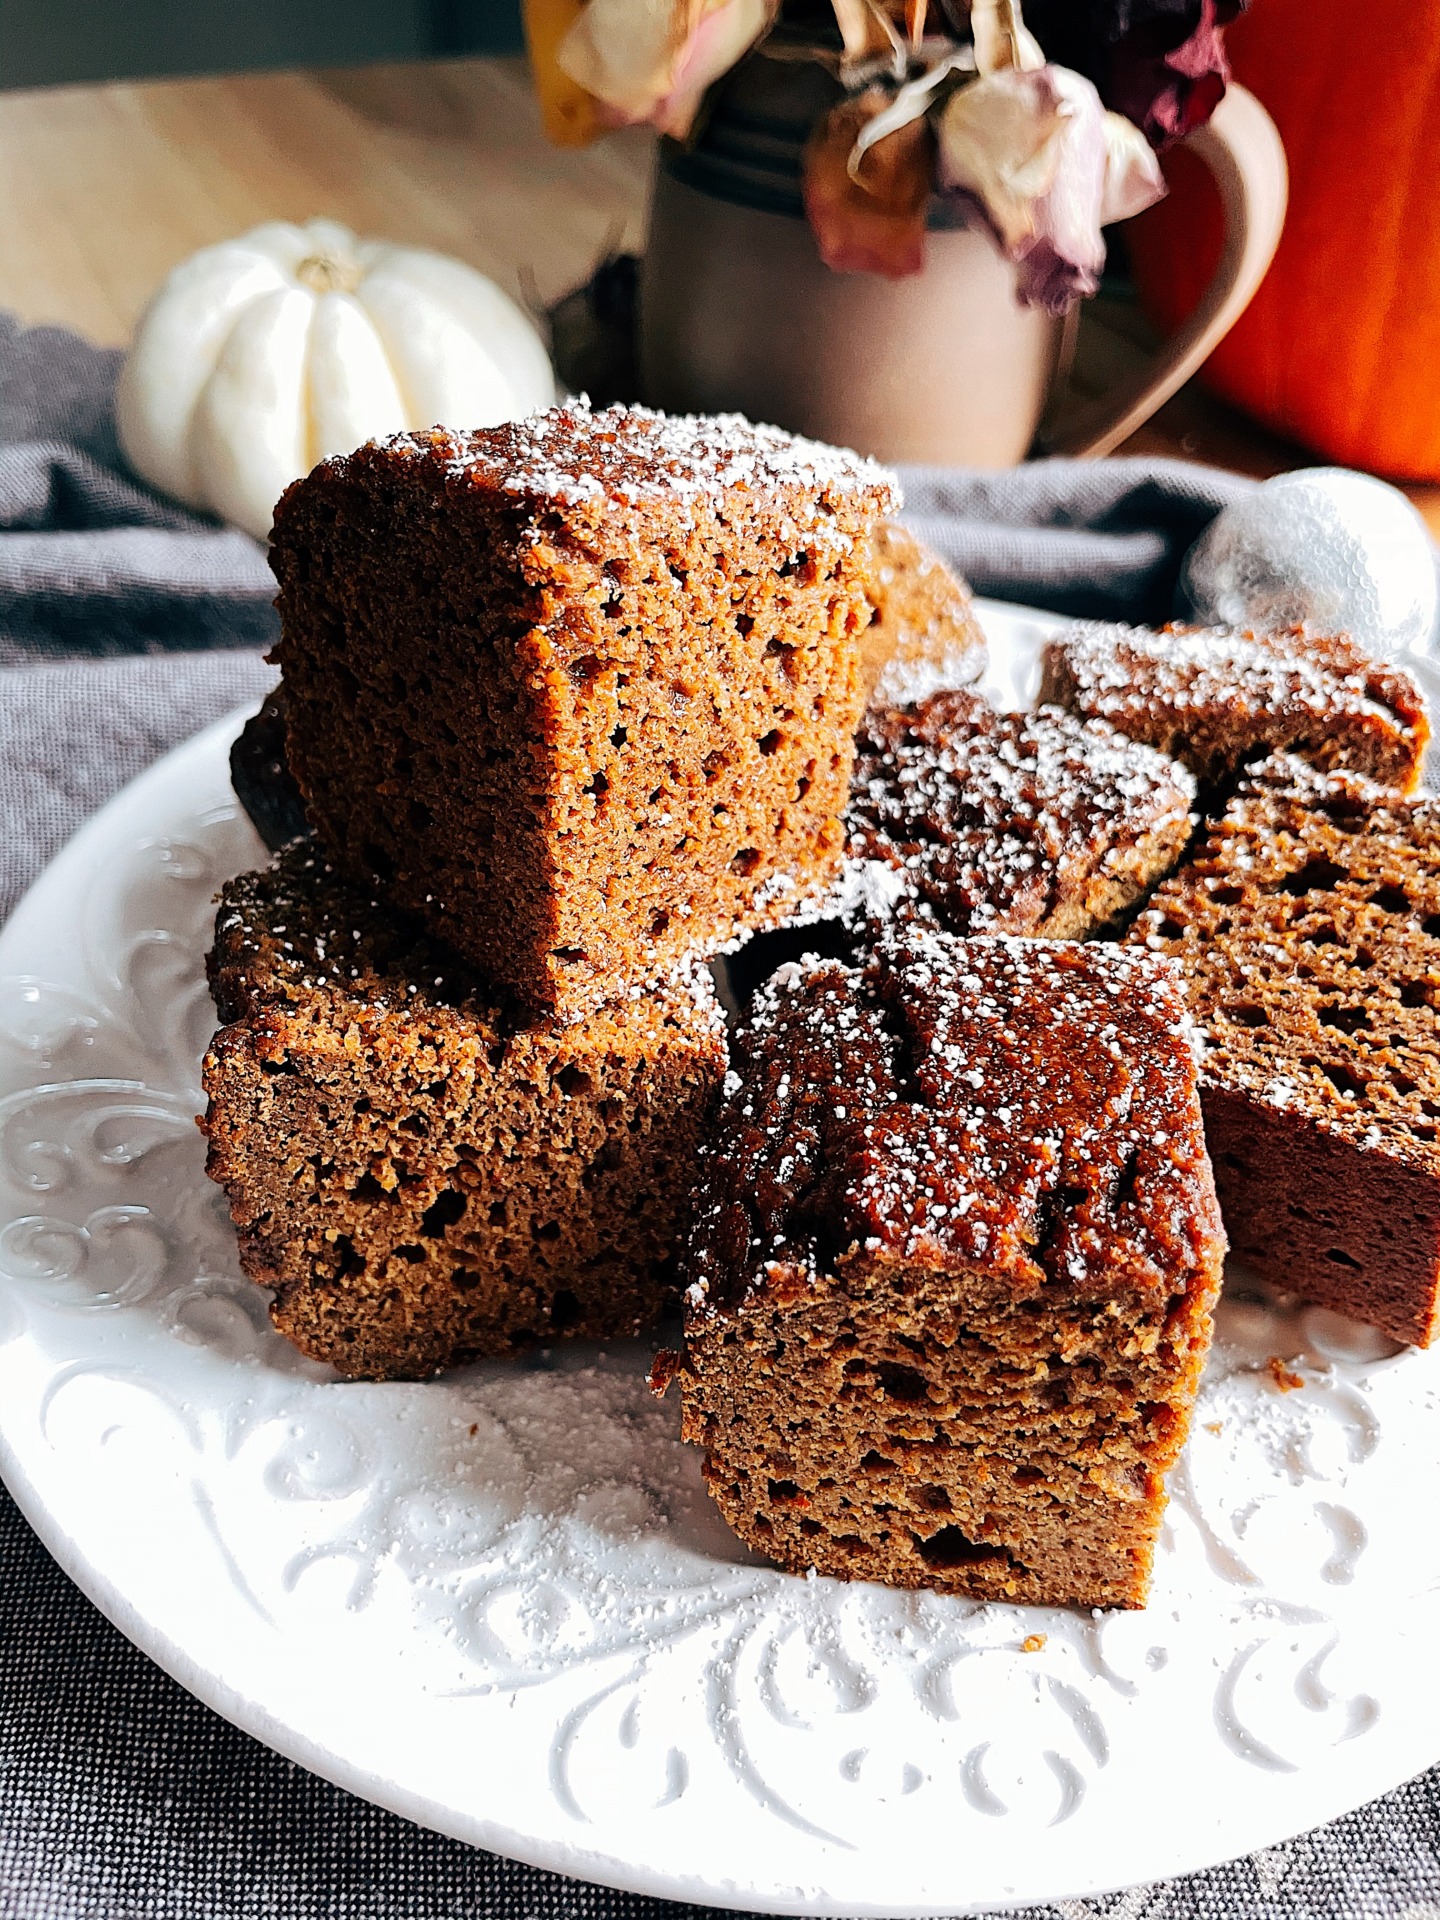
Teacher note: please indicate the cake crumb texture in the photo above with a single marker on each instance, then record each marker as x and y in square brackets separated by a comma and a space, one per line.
[421, 1178]
[952, 1269]
[988, 822]
[1219, 697]
[1307, 925]
[579, 692]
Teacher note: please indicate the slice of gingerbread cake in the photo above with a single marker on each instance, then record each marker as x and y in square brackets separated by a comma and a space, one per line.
[579, 691]
[1220, 697]
[952, 1269]
[421, 1179]
[988, 822]
[985, 822]
[923, 632]
[1307, 925]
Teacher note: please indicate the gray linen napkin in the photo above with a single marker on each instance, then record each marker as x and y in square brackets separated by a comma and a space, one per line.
[73, 733]
[121, 1797]
[91, 561]
[1100, 539]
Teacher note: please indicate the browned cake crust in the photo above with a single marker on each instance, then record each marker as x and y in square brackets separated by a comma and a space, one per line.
[991, 822]
[579, 690]
[1217, 698]
[923, 632]
[952, 1269]
[421, 1180]
[1308, 927]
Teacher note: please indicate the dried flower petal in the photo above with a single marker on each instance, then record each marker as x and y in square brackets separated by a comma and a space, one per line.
[1001, 37]
[868, 216]
[1170, 93]
[1133, 180]
[1159, 62]
[570, 113]
[908, 103]
[1038, 155]
[870, 36]
[653, 59]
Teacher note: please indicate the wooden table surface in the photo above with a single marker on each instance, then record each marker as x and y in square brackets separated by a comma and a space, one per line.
[104, 189]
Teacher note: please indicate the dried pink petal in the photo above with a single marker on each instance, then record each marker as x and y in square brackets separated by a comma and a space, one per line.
[1161, 63]
[1170, 92]
[1029, 149]
[1133, 180]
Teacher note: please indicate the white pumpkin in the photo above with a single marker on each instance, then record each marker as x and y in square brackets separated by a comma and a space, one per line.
[262, 355]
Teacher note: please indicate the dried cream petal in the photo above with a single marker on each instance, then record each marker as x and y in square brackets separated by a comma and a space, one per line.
[1030, 148]
[1002, 141]
[1133, 180]
[653, 59]
[1002, 40]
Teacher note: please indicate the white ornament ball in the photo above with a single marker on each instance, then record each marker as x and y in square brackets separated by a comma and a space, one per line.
[1327, 546]
[262, 355]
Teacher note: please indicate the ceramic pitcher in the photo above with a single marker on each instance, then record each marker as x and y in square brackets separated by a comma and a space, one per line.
[738, 311]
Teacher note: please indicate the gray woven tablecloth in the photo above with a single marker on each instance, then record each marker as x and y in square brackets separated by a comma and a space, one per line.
[121, 1798]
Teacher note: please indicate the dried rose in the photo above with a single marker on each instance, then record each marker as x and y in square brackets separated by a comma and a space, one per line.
[1033, 150]
[867, 209]
[1159, 62]
[1171, 92]
[653, 59]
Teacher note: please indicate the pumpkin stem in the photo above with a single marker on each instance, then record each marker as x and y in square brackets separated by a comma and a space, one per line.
[329, 273]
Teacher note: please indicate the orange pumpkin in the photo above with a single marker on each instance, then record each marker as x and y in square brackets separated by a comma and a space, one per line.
[1340, 348]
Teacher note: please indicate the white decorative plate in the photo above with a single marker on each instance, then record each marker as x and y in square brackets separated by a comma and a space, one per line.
[501, 1604]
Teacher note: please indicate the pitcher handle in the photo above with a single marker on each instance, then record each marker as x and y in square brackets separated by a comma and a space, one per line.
[1242, 148]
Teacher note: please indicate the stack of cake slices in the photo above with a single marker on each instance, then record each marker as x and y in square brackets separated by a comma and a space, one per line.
[568, 704]
[571, 706]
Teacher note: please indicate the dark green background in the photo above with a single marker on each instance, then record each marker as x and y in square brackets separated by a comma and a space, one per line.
[51, 42]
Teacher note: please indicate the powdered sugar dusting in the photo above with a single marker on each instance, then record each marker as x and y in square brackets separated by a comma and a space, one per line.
[1193, 667]
[1216, 695]
[572, 456]
[985, 822]
[1026, 1105]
